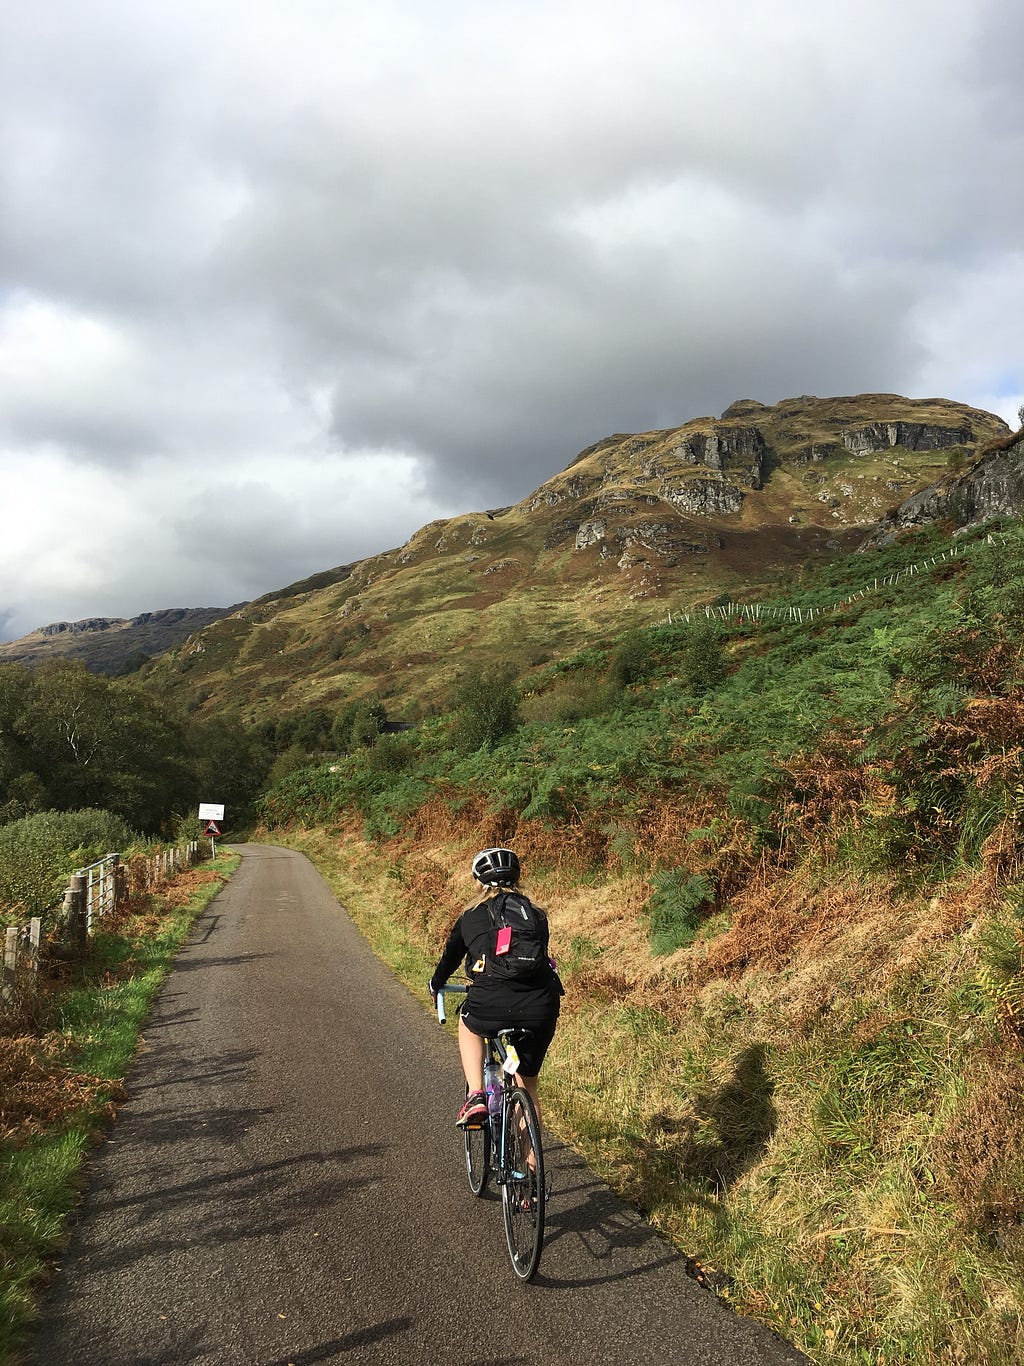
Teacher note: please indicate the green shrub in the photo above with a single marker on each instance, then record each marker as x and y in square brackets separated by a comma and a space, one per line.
[635, 659]
[391, 755]
[38, 853]
[289, 761]
[679, 903]
[704, 659]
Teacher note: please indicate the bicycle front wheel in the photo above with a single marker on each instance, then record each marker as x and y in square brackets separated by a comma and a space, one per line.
[478, 1156]
[522, 1191]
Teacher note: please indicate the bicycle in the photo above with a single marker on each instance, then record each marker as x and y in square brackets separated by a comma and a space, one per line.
[503, 1145]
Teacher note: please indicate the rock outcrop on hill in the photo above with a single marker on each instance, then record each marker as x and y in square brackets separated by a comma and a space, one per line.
[661, 496]
[912, 436]
[992, 487]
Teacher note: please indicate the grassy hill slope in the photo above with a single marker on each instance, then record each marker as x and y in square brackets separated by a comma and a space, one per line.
[784, 863]
[633, 526]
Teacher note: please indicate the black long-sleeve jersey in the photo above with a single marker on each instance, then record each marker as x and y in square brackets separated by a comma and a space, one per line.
[497, 1001]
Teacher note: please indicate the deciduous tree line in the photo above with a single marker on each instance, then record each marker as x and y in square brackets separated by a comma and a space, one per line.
[71, 739]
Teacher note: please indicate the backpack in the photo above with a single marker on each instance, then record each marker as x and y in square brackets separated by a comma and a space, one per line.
[514, 946]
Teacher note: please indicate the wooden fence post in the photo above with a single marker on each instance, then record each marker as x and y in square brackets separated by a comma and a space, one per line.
[114, 873]
[7, 975]
[75, 899]
[120, 884]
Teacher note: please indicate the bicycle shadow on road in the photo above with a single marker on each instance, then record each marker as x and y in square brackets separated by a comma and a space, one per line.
[724, 1132]
[183, 963]
[363, 1337]
[168, 1063]
[606, 1233]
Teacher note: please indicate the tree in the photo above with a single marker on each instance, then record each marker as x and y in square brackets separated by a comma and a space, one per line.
[358, 724]
[21, 789]
[486, 707]
[313, 730]
[94, 741]
[230, 763]
[704, 659]
[368, 722]
[67, 719]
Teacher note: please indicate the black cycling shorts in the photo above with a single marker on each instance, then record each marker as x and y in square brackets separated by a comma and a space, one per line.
[532, 1043]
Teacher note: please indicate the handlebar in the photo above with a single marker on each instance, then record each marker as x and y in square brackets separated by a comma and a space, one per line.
[452, 990]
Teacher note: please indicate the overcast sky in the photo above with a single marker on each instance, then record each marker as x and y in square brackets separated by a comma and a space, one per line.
[283, 280]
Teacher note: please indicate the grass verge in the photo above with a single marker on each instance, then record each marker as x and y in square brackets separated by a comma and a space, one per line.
[62, 1067]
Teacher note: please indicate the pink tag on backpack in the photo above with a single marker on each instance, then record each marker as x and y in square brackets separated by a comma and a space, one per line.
[503, 942]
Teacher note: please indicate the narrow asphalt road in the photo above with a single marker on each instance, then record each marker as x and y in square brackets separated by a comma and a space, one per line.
[285, 1184]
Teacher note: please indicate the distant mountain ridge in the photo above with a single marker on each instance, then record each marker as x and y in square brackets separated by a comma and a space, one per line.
[633, 526]
[112, 645]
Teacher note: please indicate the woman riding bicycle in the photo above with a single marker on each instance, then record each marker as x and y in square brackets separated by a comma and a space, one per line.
[499, 996]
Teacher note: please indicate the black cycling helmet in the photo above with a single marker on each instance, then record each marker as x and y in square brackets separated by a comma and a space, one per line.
[496, 867]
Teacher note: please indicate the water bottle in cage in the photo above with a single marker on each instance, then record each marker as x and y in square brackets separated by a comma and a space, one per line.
[492, 1085]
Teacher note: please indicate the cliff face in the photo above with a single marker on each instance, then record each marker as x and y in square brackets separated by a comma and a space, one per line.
[828, 466]
[992, 487]
[78, 628]
[912, 436]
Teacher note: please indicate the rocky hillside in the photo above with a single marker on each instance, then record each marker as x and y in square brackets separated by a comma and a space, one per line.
[112, 645]
[992, 487]
[634, 526]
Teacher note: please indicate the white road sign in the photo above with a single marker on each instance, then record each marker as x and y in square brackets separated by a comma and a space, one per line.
[210, 811]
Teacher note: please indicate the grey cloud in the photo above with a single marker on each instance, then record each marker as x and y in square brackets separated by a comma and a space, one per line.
[322, 235]
[561, 363]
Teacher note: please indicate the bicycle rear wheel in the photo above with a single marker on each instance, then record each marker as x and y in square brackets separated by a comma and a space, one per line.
[478, 1156]
[522, 1191]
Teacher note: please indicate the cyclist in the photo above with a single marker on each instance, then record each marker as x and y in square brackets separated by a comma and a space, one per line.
[496, 1002]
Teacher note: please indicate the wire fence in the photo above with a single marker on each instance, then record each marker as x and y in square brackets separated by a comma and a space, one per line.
[754, 612]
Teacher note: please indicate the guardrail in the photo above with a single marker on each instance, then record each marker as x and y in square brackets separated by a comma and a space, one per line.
[92, 893]
[100, 888]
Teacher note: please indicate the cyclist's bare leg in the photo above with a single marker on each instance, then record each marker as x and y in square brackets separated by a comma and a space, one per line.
[529, 1084]
[471, 1051]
